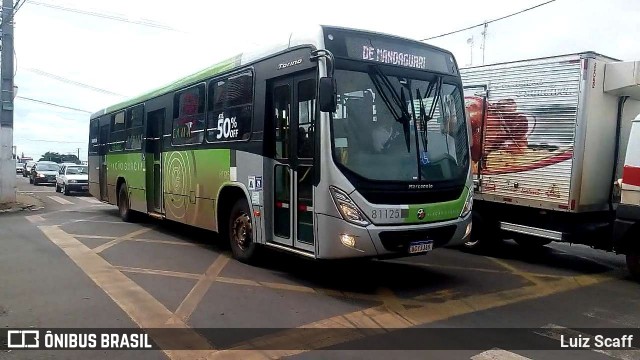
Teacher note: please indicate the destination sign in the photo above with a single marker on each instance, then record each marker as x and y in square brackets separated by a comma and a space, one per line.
[385, 49]
[393, 57]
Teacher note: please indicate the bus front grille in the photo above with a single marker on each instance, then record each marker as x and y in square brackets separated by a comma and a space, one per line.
[400, 240]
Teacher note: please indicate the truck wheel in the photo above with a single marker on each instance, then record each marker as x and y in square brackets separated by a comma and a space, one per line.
[531, 242]
[241, 233]
[482, 237]
[633, 264]
[124, 206]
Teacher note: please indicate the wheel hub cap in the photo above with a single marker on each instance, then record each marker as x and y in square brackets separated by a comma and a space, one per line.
[242, 231]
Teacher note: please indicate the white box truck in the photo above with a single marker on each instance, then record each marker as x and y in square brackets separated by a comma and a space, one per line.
[549, 141]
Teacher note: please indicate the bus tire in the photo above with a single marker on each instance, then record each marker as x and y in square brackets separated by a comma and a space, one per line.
[633, 264]
[124, 205]
[240, 232]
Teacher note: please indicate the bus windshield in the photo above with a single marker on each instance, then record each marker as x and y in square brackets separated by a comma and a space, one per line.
[392, 128]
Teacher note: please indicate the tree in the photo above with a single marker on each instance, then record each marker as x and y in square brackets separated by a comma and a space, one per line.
[59, 158]
[51, 156]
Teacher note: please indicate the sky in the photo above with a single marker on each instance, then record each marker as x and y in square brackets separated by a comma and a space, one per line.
[127, 59]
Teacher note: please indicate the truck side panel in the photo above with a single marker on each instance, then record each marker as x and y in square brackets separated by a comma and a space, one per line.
[528, 130]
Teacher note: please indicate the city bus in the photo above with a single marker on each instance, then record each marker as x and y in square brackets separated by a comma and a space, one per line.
[337, 143]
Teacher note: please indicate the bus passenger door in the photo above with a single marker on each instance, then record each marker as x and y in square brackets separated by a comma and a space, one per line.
[475, 100]
[102, 171]
[153, 164]
[293, 111]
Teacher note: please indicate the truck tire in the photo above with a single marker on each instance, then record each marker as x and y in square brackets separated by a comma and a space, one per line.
[240, 232]
[485, 235]
[530, 242]
[633, 264]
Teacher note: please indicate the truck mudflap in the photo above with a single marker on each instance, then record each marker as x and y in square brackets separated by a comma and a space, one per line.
[627, 216]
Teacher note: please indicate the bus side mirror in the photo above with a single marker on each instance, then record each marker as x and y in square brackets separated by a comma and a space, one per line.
[327, 96]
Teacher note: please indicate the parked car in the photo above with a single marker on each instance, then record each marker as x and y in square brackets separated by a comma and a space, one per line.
[44, 172]
[26, 169]
[19, 167]
[72, 177]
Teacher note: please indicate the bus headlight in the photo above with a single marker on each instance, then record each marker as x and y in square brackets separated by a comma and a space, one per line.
[347, 208]
[468, 205]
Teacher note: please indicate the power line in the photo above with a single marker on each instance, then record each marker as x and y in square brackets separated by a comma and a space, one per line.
[105, 16]
[17, 6]
[52, 141]
[72, 82]
[53, 104]
[488, 22]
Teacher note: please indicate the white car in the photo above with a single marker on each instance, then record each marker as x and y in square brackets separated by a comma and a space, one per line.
[73, 178]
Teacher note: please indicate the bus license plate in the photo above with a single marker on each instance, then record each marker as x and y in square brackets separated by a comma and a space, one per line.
[420, 246]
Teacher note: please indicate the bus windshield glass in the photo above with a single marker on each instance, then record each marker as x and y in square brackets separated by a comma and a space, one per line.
[392, 128]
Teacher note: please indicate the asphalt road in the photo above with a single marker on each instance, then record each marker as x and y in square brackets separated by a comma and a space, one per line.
[75, 264]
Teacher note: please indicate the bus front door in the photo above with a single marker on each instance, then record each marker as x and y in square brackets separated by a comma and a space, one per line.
[153, 164]
[293, 113]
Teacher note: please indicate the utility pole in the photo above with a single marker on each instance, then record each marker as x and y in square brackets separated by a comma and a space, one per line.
[7, 168]
[484, 40]
[471, 42]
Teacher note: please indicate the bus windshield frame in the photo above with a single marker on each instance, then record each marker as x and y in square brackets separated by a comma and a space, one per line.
[410, 144]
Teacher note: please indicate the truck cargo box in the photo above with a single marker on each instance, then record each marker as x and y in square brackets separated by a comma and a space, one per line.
[544, 132]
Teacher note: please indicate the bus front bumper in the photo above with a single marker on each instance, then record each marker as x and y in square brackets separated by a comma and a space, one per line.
[341, 239]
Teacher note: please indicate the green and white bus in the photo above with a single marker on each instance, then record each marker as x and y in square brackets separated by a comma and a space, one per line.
[337, 143]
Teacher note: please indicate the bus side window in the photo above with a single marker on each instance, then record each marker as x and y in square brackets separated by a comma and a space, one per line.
[134, 128]
[188, 116]
[94, 143]
[116, 139]
[230, 108]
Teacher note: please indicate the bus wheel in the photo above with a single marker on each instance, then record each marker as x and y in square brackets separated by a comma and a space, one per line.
[123, 204]
[241, 232]
[633, 264]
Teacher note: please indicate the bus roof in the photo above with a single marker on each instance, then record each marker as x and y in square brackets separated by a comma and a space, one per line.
[312, 35]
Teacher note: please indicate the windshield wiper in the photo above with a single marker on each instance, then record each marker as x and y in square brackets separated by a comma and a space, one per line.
[380, 80]
[424, 116]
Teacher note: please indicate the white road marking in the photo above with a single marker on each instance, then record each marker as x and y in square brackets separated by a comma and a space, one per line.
[498, 354]
[554, 331]
[89, 200]
[35, 191]
[613, 317]
[60, 200]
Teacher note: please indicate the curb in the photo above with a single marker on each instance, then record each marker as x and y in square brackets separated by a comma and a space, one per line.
[21, 208]
[24, 202]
